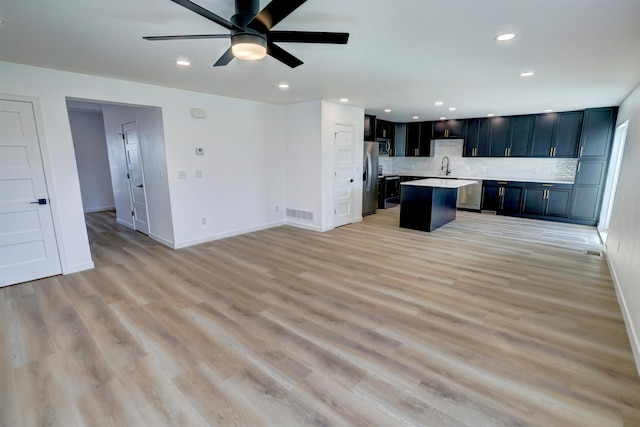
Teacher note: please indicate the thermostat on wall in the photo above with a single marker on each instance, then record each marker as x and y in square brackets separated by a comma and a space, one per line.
[199, 151]
[198, 113]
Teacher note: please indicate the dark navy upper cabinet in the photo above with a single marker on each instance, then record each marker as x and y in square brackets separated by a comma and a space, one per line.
[542, 135]
[597, 133]
[419, 139]
[520, 136]
[567, 135]
[476, 138]
[369, 127]
[499, 136]
[448, 129]
[556, 134]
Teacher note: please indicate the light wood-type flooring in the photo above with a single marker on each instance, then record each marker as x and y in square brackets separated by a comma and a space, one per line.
[488, 321]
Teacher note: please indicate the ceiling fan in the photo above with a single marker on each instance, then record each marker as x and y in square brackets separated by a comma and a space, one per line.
[250, 31]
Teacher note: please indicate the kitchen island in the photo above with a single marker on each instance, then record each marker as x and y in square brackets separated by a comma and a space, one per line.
[427, 204]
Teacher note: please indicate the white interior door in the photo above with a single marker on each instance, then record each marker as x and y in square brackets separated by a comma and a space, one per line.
[28, 248]
[136, 177]
[343, 182]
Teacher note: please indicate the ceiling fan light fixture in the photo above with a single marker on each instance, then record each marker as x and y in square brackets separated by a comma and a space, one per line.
[249, 47]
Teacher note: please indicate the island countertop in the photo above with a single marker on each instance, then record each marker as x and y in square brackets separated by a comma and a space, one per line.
[440, 183]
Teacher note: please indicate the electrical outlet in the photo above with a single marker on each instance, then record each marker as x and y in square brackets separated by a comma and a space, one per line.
[182, 174]
[203, 220]
[198, 174]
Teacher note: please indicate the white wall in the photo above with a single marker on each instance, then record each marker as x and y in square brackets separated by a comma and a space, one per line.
[309, 139]
[243, 166]
[302, 156]
[623, 242]
[89, 143]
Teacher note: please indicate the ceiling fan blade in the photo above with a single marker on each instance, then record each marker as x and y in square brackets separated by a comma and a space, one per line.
[224, 59]
[282, 55]
[273, 13]
[308, 37]
[207, 14]
[191, 37]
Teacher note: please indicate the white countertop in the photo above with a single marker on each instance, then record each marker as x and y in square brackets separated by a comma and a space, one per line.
[440, 183]
[478, 178]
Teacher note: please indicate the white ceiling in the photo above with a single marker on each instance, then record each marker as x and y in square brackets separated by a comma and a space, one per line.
[402, 54]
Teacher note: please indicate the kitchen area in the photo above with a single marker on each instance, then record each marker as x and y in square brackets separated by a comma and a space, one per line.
[548, 166]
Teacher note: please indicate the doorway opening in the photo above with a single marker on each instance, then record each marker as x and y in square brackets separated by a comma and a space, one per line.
[613, 174]
[121, 163]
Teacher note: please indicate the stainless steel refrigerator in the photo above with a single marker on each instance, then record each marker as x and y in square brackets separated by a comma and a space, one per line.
[370, 178]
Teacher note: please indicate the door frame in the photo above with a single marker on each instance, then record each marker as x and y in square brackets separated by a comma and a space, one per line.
[611, 183]
[353, 180]
[144, 185]
[56, 215]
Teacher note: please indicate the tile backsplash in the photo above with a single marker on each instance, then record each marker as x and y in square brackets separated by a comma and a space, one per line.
[512, 169]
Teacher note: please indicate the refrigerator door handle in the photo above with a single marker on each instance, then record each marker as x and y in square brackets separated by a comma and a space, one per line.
[368, 171]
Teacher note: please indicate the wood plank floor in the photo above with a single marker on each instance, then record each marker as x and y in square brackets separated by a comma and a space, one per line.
[489, 321]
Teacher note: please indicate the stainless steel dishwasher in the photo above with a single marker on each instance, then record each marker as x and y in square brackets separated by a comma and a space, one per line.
[470, 196]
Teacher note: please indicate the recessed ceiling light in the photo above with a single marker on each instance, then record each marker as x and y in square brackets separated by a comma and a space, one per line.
[415, 117]
[183, 63]
[283, 86]
[527, 74]
[438, 103]
[548, 110]
[490, 115]
[505, 37]
[452, 108]
[443, 118]
[387, 110]
[344, 99]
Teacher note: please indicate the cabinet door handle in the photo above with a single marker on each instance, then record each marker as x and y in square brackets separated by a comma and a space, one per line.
[551, 152]
[545, 196]
[579, 166]
[580, 154]
[416, 152]
[509, 151]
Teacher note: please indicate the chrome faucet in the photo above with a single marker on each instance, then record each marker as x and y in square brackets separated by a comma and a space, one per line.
[442, 167]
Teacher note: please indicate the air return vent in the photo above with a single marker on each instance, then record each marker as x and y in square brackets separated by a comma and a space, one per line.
[295, 213]
[592, 252]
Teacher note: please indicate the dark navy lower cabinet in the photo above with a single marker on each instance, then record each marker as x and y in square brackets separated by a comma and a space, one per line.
[546, 200]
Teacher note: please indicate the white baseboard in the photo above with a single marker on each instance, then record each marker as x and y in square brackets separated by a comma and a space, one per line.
[105, 208]
[126, 224]
[231, 233]
[162, 240]
[306, 226]
[633, 335]
[69, 269]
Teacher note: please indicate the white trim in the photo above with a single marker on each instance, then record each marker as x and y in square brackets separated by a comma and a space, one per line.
[80, 267]
[102, 209]
[184, 244]
[126, 224]
[633, 336]
[162, 240]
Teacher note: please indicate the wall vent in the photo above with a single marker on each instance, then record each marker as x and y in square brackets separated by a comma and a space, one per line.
[296, 213]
